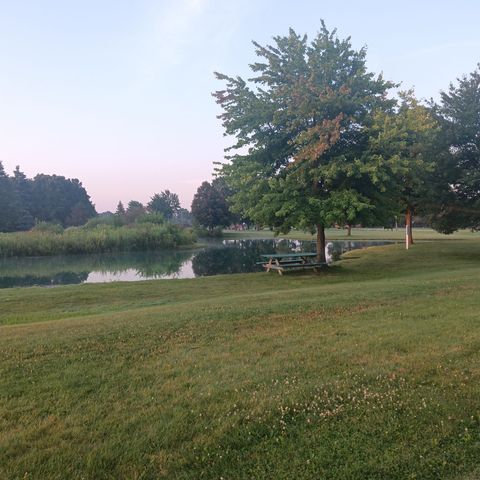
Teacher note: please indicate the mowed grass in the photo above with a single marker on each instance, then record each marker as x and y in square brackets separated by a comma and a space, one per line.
[359, 234]
[370, 370]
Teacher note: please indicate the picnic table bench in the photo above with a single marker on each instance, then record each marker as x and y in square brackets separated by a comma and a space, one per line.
[282, 262]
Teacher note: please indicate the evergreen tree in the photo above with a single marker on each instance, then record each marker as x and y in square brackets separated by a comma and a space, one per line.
[9, 203]
[23, 189]
[120, 209]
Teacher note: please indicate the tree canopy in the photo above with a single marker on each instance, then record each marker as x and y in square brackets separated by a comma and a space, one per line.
[135, 210]
[209, 207]
[120, 209]
[10, 206]
[458, 113]
[301, 127]
[55, 198]
[166, 203]
[47, 198]
[401, 144]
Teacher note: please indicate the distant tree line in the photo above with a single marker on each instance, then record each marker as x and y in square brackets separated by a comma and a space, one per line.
[45, 198]
[162, 207]
[54, 199]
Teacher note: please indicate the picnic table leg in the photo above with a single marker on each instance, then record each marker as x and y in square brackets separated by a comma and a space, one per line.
[279, 267]
[268, 265]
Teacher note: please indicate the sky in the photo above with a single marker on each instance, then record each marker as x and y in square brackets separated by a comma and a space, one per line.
[117, 93]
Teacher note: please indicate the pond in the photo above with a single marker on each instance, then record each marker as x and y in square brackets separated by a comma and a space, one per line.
[217, 257]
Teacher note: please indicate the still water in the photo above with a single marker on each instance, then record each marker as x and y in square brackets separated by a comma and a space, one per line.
[227, 256]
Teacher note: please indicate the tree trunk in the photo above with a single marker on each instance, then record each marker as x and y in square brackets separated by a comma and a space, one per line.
[408, 228]
[321, 244]
[349, 230]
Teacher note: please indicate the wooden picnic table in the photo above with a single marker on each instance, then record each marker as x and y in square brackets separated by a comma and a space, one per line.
[282, 262]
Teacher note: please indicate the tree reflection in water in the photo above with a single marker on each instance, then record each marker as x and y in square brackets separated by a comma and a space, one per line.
[241, 256]
[61, 278]
[73, 269]
[229, 256]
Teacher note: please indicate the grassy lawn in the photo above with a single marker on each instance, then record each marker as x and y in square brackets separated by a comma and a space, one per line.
[359, 234]
[370, 370]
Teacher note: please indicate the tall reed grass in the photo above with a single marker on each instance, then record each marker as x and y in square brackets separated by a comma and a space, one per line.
[103, 239]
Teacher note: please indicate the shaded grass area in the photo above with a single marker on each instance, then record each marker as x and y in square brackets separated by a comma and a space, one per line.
[370, 370]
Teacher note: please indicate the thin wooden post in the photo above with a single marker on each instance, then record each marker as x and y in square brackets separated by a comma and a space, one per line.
[408, 228]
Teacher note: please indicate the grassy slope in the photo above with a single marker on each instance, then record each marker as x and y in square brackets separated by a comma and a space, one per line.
[371, 370]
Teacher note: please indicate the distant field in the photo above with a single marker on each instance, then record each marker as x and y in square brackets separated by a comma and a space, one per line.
[359, 234]
[370, 370]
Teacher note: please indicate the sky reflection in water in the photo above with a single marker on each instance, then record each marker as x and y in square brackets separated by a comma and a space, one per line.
[220, 257]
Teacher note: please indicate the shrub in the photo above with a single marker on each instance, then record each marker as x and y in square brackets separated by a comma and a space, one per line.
[155, 218]
[100, 221]
[207, 233]
[47, 227]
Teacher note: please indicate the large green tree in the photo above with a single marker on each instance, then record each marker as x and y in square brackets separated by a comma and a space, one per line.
[209, 207]
[23, 188]
[135, 210]
[166, 203]
[459, 115]
[55, 198]
[402, 144]
[10, 205]
[301, 127]
[49, 198]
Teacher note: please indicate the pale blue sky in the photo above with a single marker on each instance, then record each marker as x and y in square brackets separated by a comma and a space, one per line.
[117, 93]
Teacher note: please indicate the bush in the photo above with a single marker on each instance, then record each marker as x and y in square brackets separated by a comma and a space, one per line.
[100, 221]
[216, 232]
[47, 227]
[155, 218]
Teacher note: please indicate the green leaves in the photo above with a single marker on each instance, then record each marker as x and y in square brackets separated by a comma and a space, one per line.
[209, 207]
[400, 152]
[459, 117]
[303, 122]
[166, 203]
